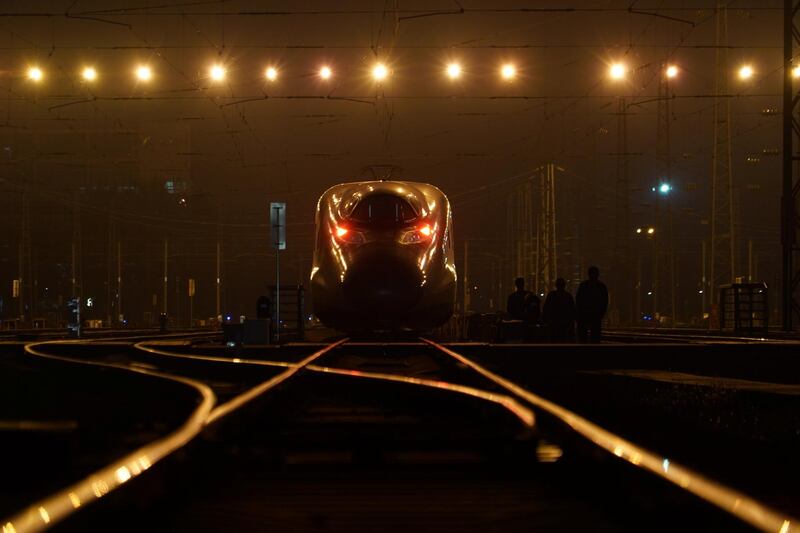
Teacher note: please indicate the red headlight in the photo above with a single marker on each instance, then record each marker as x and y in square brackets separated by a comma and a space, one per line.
[419, 234]
[347, 235]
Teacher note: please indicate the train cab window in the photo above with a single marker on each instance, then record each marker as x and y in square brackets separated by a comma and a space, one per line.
[383, 210]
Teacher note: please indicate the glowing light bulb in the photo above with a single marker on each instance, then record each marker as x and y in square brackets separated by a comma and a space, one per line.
[454, 70]
[271, 74]
[325, 73]
[380, 72]
[746, 72]
[35, 74]
[671, 71]
[508, 71]
[617, 71]
[796, 72]
[217, 72]
[144, 73]
[89, 74]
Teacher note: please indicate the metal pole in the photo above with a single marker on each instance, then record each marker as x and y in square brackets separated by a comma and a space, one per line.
[277, 292]
[788, 208]
[177, 301]
[217, 314]
[119, 281]
[109, 267]
[466, 275]
[277, 279]
[551, 178]
[164, 297]
[74, 281]
[703, 286]
[191, 305]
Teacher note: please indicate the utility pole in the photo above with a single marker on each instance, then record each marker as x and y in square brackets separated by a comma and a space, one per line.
[109, 263]
[791, 185]
[166, 280]
[664, 237]
[623, 287]
[704, 278]
[25, 268]
[119, 281]
[466, 277]
[76, 246]
[722, 239]
[520, 227]
[546, 229]
[219, 273]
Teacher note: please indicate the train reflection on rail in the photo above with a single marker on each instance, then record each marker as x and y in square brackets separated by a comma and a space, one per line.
[383, 257]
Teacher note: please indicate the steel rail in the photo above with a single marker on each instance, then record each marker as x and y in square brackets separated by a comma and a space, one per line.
[47, 511]
[696, 337]
[738, 504]
[103, 334]
[523, 413]
[56, 507]
[258, 390]
[177, 335]
[150, 347]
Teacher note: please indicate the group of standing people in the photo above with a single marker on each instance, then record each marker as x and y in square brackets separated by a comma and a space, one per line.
[561, 312]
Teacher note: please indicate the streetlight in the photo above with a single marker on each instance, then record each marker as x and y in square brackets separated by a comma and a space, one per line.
[144, 73]
[665, 188]
[671, 71]
[325, 72]
[35, 74]
[651, 230]
[508, 72]
[380, 72]
[217, 72]
[796, 72]
[454, 71]
[271, 74]
[89, 74]
[617, 71]
[746, 72]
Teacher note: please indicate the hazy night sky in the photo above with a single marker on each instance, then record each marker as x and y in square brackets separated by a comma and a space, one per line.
[240, 144]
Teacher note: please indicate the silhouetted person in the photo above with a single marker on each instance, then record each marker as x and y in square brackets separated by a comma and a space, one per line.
[523, 305]
[558, 313]
[591, 304]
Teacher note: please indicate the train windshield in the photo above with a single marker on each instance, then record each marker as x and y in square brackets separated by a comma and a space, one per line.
[383, 210]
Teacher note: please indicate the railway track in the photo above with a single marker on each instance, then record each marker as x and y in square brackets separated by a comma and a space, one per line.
[279, 416]
[33, 335]
[636, 335]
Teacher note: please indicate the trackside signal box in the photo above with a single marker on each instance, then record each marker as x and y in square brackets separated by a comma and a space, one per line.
[744, 308]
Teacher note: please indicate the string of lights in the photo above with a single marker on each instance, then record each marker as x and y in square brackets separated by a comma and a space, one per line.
[380, 72]
[159, 10]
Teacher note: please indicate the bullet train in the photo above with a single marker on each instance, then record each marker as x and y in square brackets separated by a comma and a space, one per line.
[383, 257]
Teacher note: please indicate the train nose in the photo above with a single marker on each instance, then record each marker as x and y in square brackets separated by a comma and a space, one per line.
[383, 282]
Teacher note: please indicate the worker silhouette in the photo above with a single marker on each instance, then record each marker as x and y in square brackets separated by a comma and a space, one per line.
[523, 305]
[558, 313]
[591, 304]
